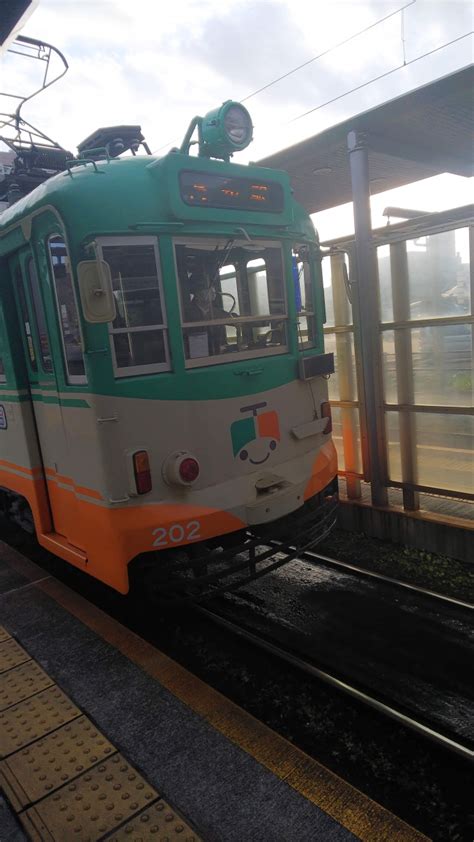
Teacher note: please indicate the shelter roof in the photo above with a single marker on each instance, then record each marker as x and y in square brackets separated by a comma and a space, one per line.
[423, 133]
[12, 18]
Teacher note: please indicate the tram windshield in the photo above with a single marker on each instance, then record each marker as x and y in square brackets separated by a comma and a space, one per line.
[233, 299]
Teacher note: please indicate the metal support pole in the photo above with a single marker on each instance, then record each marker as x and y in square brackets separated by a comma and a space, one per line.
[366, 290]
[404, 370]
[345, 369]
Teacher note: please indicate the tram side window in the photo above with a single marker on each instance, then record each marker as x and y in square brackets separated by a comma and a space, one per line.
[139, 331]
[67, 309]
[25, 317]
[303, 285]
[233, 301]
[44, 348]
[3, 376]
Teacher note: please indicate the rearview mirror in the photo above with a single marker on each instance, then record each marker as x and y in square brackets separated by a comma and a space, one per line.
[95, 286]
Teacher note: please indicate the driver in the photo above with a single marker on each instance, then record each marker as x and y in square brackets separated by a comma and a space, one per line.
[203, 308]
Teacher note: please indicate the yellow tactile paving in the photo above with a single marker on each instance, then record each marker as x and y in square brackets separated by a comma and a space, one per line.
[21, 683]
[158, 822]
[3, 634]
[12, 655]
[92, 806]
[367, 820]
[34, 718]
[62, 776]
[49, 763]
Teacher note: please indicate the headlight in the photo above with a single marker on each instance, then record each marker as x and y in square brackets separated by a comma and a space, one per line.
[238, 125]
[226, 130]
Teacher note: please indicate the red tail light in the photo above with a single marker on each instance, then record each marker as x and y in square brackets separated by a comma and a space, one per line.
[326, 413]
[189, 469]
[141, 467]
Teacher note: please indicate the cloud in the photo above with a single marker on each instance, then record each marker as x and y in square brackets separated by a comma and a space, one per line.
[249, 45]
[160, 64]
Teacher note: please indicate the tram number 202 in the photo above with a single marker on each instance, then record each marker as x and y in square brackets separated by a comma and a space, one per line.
[176, 534]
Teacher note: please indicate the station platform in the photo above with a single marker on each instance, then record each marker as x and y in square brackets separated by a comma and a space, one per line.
[104, 737]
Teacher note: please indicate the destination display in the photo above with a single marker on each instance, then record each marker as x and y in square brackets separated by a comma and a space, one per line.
[201, 189]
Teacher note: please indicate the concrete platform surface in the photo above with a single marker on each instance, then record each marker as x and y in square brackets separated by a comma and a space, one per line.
[104, 737]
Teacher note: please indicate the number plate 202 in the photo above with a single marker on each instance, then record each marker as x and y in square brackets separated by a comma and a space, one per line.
[178, 533]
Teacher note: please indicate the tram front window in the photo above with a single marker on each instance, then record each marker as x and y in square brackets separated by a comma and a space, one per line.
[233, 301]
[139, 333]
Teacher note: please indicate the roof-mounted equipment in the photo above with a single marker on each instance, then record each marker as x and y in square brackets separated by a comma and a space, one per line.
[36, 156]
[221, 132]
[112, 141]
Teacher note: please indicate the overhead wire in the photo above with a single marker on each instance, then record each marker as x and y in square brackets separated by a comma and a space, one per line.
[314, 58]
[405, 63]
[329, 50]
[381, 76]
[402, 35]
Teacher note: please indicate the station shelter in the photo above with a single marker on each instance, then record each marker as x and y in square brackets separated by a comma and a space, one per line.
[399, 306]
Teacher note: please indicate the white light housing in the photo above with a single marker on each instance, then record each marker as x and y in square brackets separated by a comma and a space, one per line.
[226, 130]
[181, 468]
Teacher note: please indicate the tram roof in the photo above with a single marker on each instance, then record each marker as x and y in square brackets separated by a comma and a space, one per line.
[423, 133]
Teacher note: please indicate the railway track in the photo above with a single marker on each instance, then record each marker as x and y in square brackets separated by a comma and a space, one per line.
[372, 743]
[420, 723]
[337, 681]
[312, 669]
[313, 557]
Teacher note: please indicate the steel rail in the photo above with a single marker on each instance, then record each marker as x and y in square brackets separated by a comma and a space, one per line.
[339, 684]
[332, 680]
[311, 557]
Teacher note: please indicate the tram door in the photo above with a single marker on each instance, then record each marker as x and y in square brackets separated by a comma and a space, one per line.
[45, 396]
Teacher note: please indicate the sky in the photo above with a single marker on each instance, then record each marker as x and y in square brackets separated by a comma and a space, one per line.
[158, 64]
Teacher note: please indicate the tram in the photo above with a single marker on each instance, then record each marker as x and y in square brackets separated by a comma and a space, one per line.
[164, 411]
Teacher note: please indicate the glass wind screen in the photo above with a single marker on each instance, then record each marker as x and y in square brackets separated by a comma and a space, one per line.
[45, 351]
[392, 432]
[328, 293]
[67, 309]
[440, 365]
[438, 275]
[342, 384]
[385, 284]
[232, 299]
[304, 299]
[25, 317]
[445, 451]
[346, 438]
[135, 285]
[138, 330]
[444, 448]
[389, 367]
